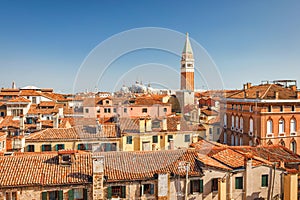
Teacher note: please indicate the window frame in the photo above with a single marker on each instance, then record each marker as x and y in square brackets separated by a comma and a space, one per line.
[239, 183]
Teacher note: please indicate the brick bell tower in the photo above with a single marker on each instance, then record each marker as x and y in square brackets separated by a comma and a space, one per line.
[187, 66]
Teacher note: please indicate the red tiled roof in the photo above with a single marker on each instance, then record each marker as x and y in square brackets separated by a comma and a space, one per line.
[19, 99]
[9, 122]
[28, 169]
[121, 166]
[78, 132]
[266, 91]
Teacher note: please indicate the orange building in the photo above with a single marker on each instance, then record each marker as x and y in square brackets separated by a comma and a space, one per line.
[262, 114]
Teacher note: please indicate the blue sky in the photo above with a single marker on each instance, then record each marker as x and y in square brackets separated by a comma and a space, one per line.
[44, 43]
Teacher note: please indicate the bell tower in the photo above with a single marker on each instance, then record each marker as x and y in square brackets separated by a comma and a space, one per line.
[187, 66]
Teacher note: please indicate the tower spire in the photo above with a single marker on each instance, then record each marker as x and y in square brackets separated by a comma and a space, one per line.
[187, 46]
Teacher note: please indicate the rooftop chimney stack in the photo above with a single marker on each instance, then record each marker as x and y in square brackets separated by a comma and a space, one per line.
[276, 94]
[257, 94]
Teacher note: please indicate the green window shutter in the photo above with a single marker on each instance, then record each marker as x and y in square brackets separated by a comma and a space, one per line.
[56, 147]
[85, 194]
[43, 148]
[264, 181]
[60, 195]
[109, 192]
[152, 189]
[201, 186]
[71, 195]
[123, 194]
[78, 146]
[63, 146]
[44, 195]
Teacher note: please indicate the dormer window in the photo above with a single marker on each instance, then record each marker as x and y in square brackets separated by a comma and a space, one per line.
[66, 157]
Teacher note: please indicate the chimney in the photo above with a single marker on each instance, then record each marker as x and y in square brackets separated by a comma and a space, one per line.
[178, 126]
[142, 125]
[39, 125]
[247, 86]
[276, 95]
[298, 94]
[195, 139]
[22, 124]
[245, 94]
[294, 87]
[148, 125]
[98, 177]
[257, 94]
[171, 144]
[55, 120]
[164, 124]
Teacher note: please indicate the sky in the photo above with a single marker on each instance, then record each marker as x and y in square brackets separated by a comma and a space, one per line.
[46, 43]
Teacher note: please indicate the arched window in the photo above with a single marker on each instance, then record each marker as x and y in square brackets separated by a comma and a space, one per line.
[236, 121]
[269, 142]
[281, 126]
[225, 120]
[282, 143]
[251, 125]
[225, 137]
[292, 126]
[232, 140]
[269, 126]
[293, 146]
[236, 140]
[241, 141]
[241, 123]
[232, 121]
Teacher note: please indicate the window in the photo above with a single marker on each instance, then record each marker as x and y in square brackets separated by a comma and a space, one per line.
[196, 186]
[225, 120]
[282, 143]
[281, 108]
[264, 180]
[210, 131]
[144, 110]
[218, 131]
[11, 195]
[59, 147]
[232, 121]
[46, 147]
[17, 112]
[125, 110]
[52, 195]
[116, 191]
[2, 114]
[81, 147]
[232, 140]
[107, 101]
[34, 100]
[241, 123]
[155, 124]
[293, 108]
[293, 146]
[241, 141]
[269, 108]
[154, 139]
[236, 121]
[30, 148]
[269, 126]
[78, 194]
[129, 140]
[187, 138]
[225, 137]
[214, 185]
[281, 126]
[251, 125]
[251, 108]
[170, 137]
[115, 110]
[292, 126]
[106, 110]
[241, 107]
[238, 182]
[147, 189]
[86, 110]
[165, 109]
[232, 106]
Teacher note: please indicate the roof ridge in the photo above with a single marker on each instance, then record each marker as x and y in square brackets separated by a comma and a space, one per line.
[267, 91]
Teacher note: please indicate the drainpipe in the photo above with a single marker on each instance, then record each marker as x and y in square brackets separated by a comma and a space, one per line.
[186, 180]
